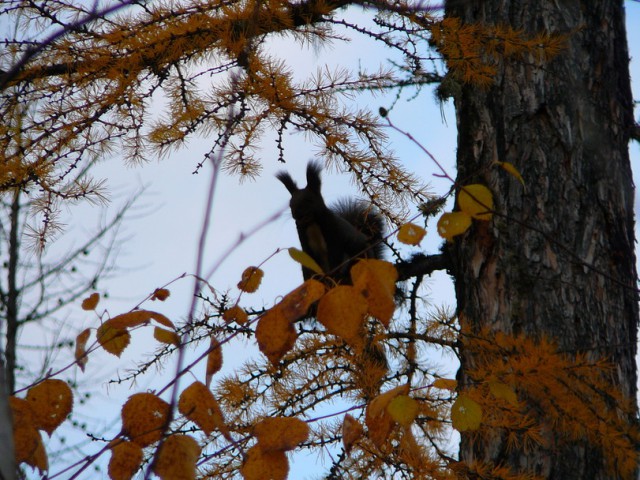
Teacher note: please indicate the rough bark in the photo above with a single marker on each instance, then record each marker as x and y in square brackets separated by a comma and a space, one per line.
[558, 258]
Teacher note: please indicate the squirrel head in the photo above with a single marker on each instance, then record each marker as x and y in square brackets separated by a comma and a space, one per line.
[306, 203]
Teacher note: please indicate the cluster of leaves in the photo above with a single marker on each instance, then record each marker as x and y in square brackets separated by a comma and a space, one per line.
[94, 87]
[398, 411]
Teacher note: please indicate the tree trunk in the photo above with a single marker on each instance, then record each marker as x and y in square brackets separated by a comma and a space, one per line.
[557, 260]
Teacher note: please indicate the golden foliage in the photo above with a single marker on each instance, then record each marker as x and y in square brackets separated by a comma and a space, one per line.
[198, 404]
[352, 431]
[50, 401]
[342, 311]
[144, 417]
[280, 433]
[113, 340]
[91, 302]
[214, 359]
[235, 314]
[275, 335]
[81, 345]
[476, 201]
[411, 234]
[177, 458]
[126, 458]
[260, 464]
[473, 52]
[251, 278]
[27, 441]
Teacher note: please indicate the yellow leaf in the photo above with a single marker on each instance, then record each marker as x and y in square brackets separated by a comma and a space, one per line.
[113, 340]
[511, 169]
[214, 360]
[503, 391]
[304, 259]
[160, 294]
[466, 414]
[352, 431]
[452, 224]
[411, 234]
[235, 314]
[91, 302]
[376, 281]
[296, 304]
[51, 401]
[261, 465]
[476, 201]
[446, 384]
[198, 404]
[342, 311]
[126, 458]
[81, 346]
[403, 409]
[280, 433]
[177, 458]
[378, 419]
[166, 336]
[275, 335]
[143, 418]
[251, 278]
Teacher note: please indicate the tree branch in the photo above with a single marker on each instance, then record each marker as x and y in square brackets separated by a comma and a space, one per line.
[422, 265]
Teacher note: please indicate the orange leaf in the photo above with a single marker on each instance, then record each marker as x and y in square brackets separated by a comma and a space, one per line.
[214, 359]
[376, 281]
[91, 302]
[260, 465]
[281, 433]
[177, 458]
[51, 401]
[296, 304]
[160, 294]
[27, 441]
[351, 432]
[113, 340]
[130, 319]
[452, 224]
[445, 384]
[235, 314]
[342, 311]
[411, 234]
[275, 335]
[81, 345]
[126, 458]
[162, 320]
[143, 418]
[198, 404]
[251, 278]
[166, 336]
[476, 201]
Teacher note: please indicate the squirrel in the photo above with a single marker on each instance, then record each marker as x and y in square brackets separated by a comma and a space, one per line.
[334, 237]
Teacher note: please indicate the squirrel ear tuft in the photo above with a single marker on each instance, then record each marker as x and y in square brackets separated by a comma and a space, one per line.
[313, 176]
[288, 182]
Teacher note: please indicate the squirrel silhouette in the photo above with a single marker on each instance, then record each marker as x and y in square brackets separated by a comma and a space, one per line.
[334, 237]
